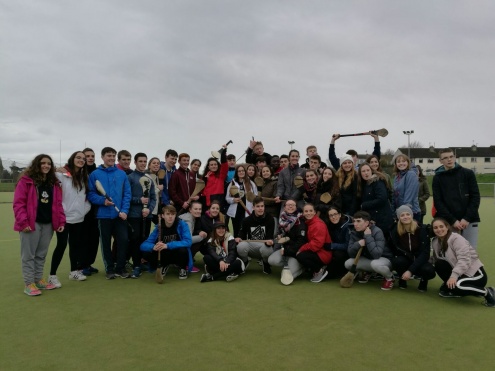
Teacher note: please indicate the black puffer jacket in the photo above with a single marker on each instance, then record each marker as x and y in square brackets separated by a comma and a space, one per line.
[456, 194]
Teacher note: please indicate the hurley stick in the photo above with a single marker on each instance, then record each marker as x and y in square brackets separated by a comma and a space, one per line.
[146, 185]
[326, 197]
[348, 279]
[379, 132]
[158, 273]
[101, 190]
[281, 240]
[298, 181]
[234, 192]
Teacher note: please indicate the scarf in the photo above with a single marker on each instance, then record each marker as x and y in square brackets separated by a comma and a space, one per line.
[287, 221]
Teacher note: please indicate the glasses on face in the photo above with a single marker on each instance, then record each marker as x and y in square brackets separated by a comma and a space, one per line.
[290, 205]
[333, 215]
[447, 158]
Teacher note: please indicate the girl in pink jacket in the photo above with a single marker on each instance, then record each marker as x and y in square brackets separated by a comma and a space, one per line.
[38, 212]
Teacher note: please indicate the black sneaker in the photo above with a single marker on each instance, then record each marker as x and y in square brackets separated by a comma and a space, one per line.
[402, 284]
[376, 277]
[490, 297]
[423, 285]
[165, 270]
[123, 274]
[246, 265]
[448, 294]
[136, 272]
[231, 277]
[182, 274]
[206, 278]
[266, 268]
[110, 276]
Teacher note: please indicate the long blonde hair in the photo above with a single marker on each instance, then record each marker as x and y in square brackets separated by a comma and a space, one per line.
[346, 179]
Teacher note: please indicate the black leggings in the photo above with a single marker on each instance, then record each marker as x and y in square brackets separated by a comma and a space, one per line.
[179, 257]
[402, 264]
[137, 234]
[213, 267]
[465, 285]
[74, 234]
[91, 239]
[311, 260]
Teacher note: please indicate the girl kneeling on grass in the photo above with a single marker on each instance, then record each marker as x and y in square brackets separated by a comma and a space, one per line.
[411, 248]
[314, 254]
[221, 260]
[38, 212]
[458, 265]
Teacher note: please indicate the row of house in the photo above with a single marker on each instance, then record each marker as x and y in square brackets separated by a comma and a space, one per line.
[479, 159]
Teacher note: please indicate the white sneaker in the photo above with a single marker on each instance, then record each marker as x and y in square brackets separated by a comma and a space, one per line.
[286, 278]
[77, 276]
[54, 281]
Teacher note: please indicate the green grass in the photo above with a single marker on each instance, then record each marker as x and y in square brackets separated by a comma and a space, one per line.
[252, 323]
[7, 187]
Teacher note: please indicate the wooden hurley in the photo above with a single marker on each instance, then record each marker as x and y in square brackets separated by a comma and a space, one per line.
[158, 273]
[379, 132]
[250, 196]
[259, 181]
[348, 279]
[161, 174]
[298, 181]
[326, 197]
[281, 240]
[234, 192]
[200, 185]
[218, 154]
[101, 190]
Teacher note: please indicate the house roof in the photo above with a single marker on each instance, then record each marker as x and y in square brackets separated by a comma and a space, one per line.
[432, 152]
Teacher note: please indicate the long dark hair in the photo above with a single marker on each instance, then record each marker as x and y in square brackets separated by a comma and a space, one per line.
[79, 176]
[370, 157]
[207, 167]
[361, 181]
[444, 240]
[246, 181]
[217, 240]
[333, 182]
[421, 176]
[34, 171]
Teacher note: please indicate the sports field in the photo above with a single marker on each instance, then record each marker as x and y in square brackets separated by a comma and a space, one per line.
[254, 323]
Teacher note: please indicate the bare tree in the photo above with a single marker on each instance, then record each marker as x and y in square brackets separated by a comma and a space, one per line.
[414, 144]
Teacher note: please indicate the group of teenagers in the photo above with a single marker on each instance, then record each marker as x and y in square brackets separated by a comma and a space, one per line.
[310, 219]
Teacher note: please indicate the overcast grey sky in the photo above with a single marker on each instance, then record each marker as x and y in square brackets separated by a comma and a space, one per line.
[150, 75]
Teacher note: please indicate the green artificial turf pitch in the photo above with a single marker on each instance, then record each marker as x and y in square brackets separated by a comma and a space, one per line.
[253, 323]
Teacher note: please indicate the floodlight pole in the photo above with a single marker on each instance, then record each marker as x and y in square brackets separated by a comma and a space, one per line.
[408, 133]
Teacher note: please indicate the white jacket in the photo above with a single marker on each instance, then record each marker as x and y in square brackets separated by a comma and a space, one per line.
[233, 205]
[74, 202]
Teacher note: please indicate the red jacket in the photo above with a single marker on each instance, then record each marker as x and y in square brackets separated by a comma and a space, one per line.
[215, 184]
[318, 237]
[26, 205]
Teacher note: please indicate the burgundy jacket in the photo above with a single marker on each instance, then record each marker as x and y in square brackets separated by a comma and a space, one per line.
[181, 186]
